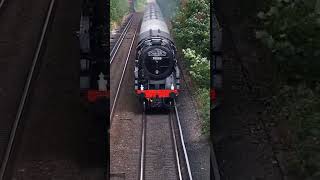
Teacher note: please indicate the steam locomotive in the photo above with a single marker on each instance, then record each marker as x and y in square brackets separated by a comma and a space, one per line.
[157, 76]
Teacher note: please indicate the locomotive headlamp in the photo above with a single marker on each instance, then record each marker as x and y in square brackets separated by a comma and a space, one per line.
[141, 87]
[172, 86]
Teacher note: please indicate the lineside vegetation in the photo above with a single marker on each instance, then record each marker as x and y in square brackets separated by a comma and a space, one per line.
[139, 5]
[191, 30]
[118, 9]
[290, 29]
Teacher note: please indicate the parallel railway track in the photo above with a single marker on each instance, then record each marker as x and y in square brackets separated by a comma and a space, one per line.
[26, 90]
[178, 162]
[117, 47]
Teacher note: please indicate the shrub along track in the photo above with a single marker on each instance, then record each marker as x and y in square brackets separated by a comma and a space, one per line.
[243, 147]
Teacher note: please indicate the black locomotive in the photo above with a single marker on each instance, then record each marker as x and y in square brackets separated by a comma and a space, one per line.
[157, 76]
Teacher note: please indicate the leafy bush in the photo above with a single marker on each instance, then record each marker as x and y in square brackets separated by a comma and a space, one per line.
[199, 67]
[291, 30]
[139, 5]
[168, 7]
[192, 26]
[298, 108]
[191, 30]
[118, 9]
[203, 99]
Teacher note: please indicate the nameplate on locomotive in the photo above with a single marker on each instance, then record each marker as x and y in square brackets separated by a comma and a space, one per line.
[157, 53]
[157, 58]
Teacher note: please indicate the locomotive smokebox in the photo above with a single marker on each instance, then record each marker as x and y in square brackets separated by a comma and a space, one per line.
[157, 61]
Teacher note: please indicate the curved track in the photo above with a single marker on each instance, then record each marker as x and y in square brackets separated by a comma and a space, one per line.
[175, 163]
[26, 90]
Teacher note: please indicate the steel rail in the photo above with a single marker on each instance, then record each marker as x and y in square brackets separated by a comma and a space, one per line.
[215, 167]
[182, 141]
[120, 40]
[175, 145]
[122, 76]
[1, 3]
[25, 92]
[143, 139]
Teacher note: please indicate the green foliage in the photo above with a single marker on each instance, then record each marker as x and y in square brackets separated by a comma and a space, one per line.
[199, 67]
[290, 28]
[139, 5]
[118, 9]
[299, 109]
[191, 29]
[204, 102]
[169, 7]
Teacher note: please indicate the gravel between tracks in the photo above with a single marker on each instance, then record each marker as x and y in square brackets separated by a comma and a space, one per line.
[125, 132]
[160, 162]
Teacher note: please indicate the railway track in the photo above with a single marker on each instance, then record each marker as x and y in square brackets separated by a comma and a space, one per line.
[1, 3]
[215, 172]
[115, 46]
[160, 157]
[127, 56]
[27, 87]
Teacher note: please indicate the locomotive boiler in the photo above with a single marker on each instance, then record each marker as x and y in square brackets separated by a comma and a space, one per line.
[157, 76]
